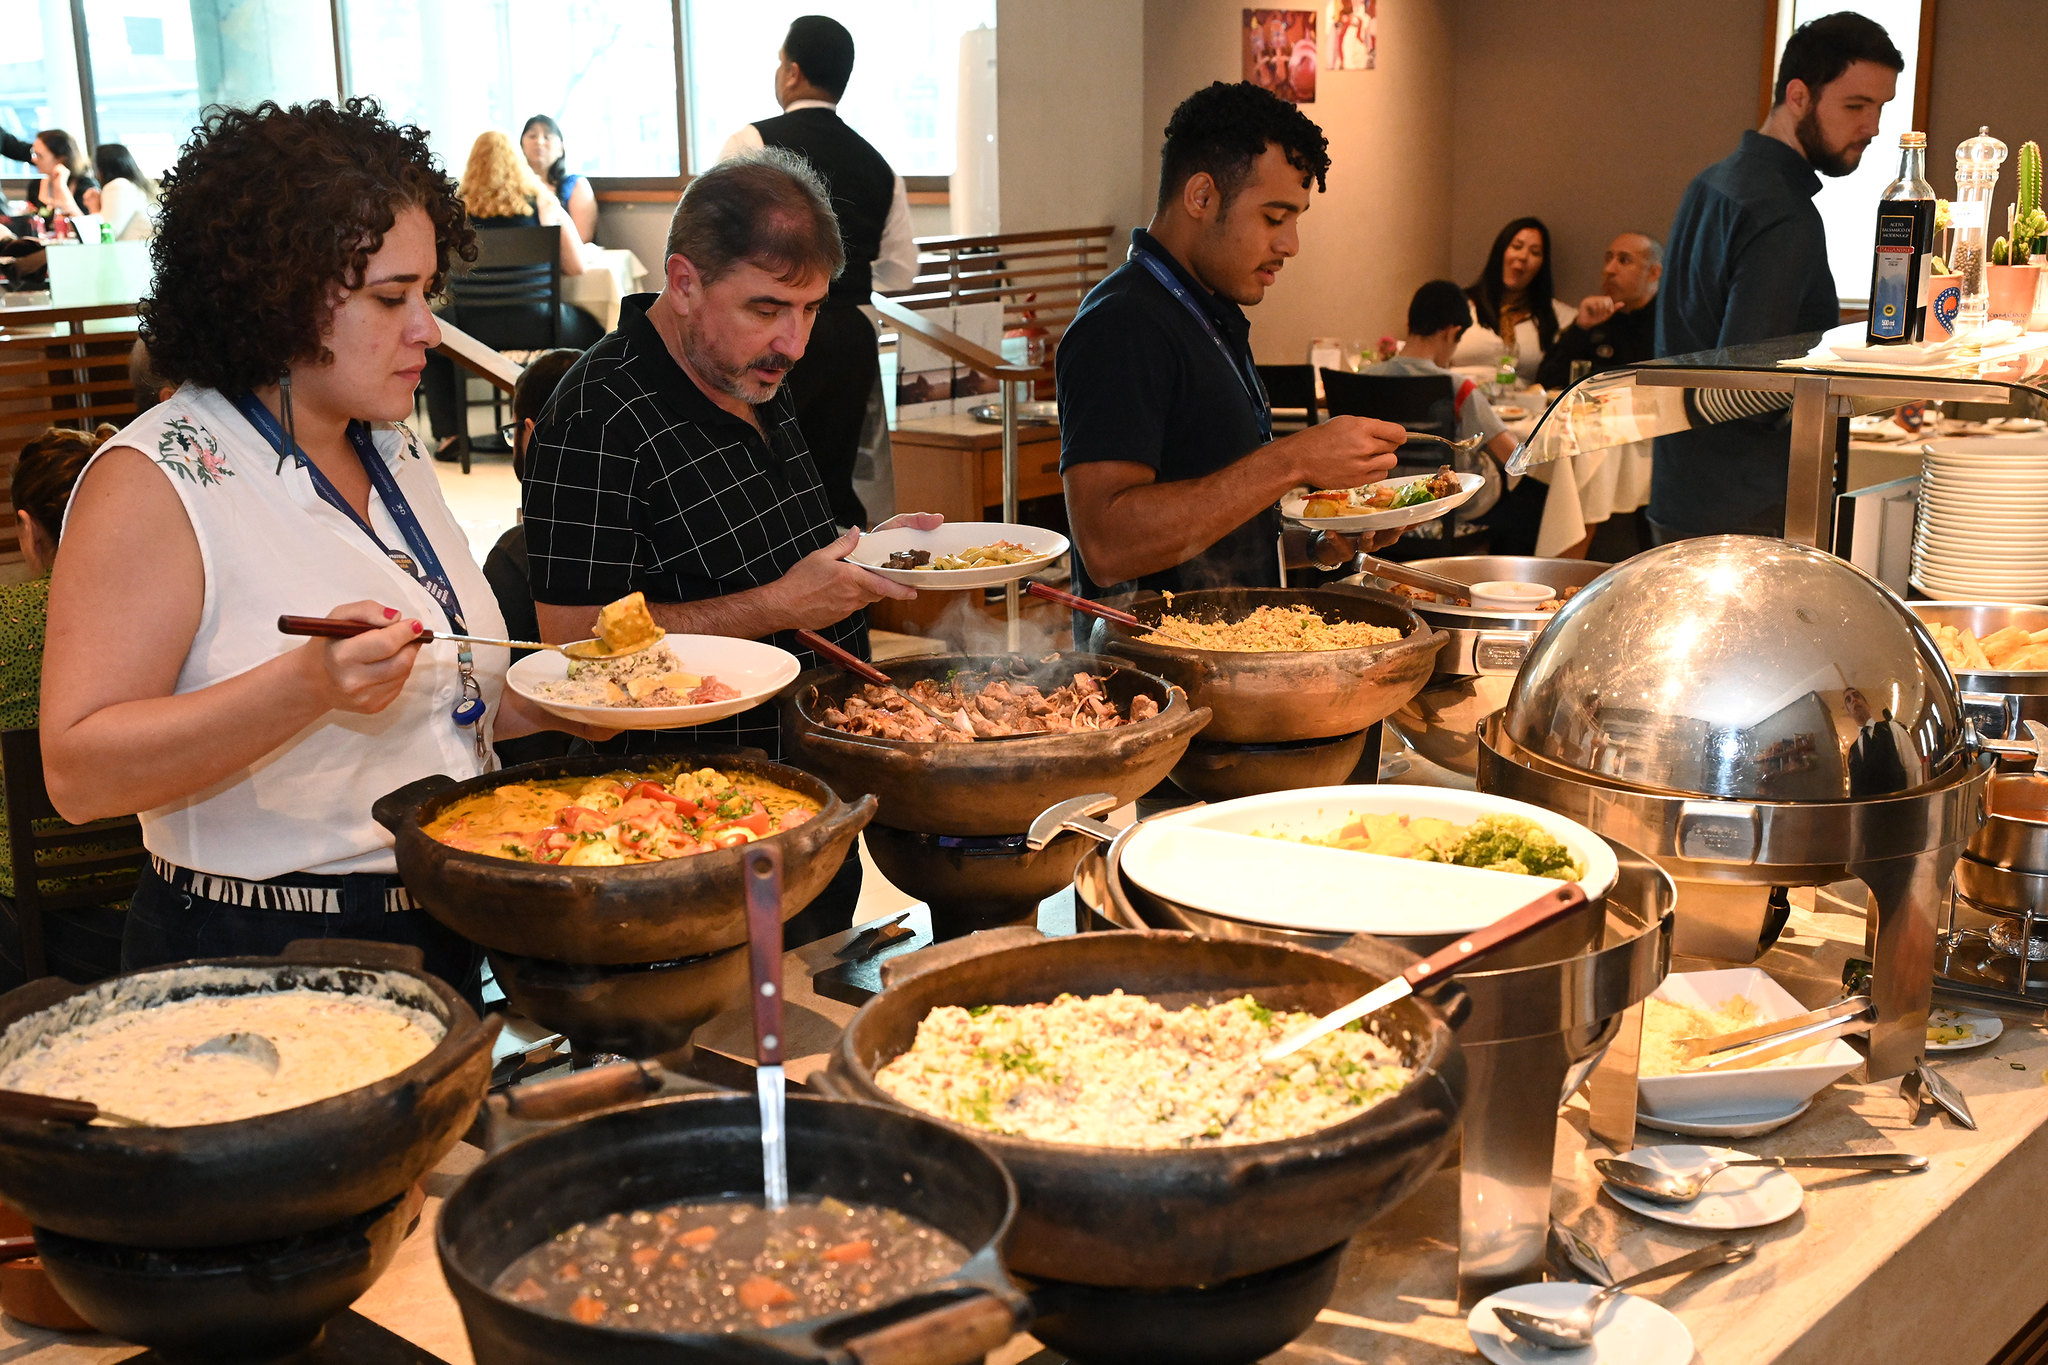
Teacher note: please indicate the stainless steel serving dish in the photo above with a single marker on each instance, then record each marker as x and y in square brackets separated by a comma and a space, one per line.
[1483, 651]
[1998, 703]
[1754, 713]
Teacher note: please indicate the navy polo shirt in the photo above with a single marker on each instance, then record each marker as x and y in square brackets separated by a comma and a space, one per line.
[1747, 261]
[1140, 380]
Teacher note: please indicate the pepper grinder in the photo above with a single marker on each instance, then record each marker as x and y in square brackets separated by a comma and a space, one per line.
[1977, 163]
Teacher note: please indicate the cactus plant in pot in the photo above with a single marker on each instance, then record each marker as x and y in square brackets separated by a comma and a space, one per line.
[2014, 280]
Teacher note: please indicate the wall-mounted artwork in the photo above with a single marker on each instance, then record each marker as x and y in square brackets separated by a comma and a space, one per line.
[1280, 52]
[1351, 36]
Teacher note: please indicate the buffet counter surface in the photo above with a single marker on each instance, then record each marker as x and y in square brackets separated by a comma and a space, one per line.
[1880, 1270]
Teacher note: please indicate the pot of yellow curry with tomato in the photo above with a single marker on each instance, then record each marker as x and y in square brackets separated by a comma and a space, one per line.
[605, 861]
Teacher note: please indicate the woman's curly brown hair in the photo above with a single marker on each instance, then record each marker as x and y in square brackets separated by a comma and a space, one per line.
[270, 210]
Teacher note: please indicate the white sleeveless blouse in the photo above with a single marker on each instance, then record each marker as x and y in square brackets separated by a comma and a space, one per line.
[271, 546]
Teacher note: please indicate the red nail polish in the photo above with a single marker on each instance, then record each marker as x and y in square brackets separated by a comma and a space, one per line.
[391, 613]
[417, 628]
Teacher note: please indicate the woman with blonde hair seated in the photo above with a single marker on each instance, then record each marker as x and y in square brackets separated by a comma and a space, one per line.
[500, 190]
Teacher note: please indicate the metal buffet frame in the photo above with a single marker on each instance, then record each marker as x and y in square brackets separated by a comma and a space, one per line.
[1820, 396]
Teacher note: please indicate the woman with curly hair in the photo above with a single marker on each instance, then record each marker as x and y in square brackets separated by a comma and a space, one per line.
[276, 480]
[501, 192]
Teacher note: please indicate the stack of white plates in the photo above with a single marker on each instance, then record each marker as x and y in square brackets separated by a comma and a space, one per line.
[1983, 524]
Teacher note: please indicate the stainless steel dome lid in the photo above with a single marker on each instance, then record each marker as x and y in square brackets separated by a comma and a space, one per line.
[1740, 667]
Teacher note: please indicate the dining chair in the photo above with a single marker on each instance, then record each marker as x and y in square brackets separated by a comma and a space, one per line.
[1421, 403]
[509, 298]
[84, 871]
[1290, 387]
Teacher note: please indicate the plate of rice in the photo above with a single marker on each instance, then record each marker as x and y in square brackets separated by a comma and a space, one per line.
[678, 681]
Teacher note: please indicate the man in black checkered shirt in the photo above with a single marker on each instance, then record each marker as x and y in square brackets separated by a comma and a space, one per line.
[669, 459]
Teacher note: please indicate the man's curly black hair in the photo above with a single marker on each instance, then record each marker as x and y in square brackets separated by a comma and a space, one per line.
[270, 210]
[1225, 128]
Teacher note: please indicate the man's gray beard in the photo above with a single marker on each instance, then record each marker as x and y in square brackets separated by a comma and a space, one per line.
[1835, 164]
[731, 382]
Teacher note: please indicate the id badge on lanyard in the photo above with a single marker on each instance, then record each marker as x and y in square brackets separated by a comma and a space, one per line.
[422, 564]
[1247, 377]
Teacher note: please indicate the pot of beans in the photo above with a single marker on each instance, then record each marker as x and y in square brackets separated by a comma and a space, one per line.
[606, 861]
[1278, 664]
[235, 1100]
[639, 1235]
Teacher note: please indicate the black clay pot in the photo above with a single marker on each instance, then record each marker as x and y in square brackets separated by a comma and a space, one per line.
[1125, 1218]
[990, 787]
[709, 1146]
[274, 1175]
[975, 882]
[226, 1305]
[1233, 1323]
[646, 912]
[635, 1011]
[1224, 772]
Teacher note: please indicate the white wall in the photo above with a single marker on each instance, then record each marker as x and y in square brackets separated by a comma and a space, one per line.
[1070, 82]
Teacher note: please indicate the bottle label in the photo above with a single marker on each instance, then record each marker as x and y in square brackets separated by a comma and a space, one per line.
[1891, 300]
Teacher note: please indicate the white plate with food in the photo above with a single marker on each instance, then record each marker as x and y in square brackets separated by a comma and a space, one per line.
[1707, 1005]
[1740, 1197]
[677, 681]
[1511, 412]
[1630, 1330]
[1734, 1126]
[1250, 859]
[959, 554]
[1955, 1030]
[1380, 506]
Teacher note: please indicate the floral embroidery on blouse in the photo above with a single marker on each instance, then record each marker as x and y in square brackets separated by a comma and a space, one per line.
[191, 452]
[409, 446]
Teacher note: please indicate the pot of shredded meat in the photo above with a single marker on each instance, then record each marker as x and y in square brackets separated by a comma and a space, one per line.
[1061, 722]
[380, 1069]
[1116, 1075]
[1279, 664]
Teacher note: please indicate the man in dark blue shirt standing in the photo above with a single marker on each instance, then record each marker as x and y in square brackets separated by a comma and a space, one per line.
[1748, 260]
[1166, 438]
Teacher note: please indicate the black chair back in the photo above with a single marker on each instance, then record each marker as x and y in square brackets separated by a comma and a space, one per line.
[1291, 386]
[518, 269]
[103, 859]
[1421, 403]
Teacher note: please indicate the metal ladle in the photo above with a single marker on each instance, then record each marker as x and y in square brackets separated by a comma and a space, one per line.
[1674, 1187]
[1574, 1330]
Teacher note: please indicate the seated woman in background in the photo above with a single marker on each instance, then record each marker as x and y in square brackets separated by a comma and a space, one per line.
[500, 191]
[126, 198]
[81, 944]
[1512, 308]
[62, 177]
[541, 141]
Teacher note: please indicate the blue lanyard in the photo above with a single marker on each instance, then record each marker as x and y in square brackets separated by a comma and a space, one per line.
[1247, 378]
[423, 563]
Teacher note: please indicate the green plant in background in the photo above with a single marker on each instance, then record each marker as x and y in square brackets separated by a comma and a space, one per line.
[2028, 225]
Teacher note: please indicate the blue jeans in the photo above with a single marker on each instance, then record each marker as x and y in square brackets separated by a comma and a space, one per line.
[168, 924]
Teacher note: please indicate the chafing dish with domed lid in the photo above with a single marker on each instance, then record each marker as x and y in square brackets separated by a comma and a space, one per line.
[1755, 713]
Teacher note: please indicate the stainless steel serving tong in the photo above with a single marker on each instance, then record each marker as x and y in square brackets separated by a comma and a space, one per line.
[1776, 1038]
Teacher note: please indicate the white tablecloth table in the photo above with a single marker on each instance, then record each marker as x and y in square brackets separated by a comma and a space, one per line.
[609, 274]
[1585, 490]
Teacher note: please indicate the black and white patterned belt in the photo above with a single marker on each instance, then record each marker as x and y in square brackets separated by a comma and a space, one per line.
[303, 893]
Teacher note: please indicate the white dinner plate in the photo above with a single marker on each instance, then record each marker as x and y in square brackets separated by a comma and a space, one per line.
[1745, 1197]
[1983, 1028]
[758, 670]
[1963, 580]
[1291, 507]
[1734, 1126]
[951, 538]
[1903, 353]
[1629, 1330]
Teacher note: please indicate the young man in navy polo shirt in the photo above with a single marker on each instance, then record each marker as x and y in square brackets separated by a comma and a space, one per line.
[1166, 446]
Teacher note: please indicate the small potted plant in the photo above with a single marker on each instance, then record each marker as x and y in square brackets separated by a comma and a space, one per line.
[2013, 279]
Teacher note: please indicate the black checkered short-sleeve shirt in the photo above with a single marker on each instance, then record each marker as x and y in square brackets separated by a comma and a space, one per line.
[636, 479]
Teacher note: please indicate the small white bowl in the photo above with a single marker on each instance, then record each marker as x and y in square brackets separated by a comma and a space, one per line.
[1506, 594]
[1758, 1090]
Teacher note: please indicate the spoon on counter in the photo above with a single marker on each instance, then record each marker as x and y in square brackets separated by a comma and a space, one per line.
[1672, 1187]
[1574, 1330]
[847, 662]
[334, 628]
[1111, 614]
[764, 958]
[1551, 905]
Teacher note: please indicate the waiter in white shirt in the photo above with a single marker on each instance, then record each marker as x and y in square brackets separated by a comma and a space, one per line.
[840, 368]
